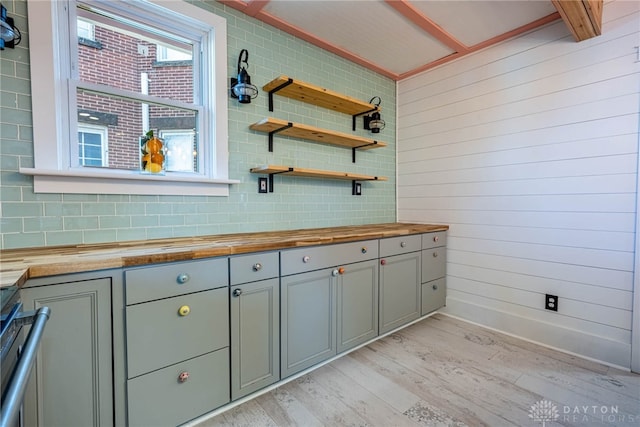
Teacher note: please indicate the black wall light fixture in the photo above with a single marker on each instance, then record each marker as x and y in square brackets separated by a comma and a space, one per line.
[9, 34]
[241, 87]
[373, 122]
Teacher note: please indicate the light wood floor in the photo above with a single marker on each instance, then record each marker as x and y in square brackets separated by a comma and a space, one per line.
[445, 372]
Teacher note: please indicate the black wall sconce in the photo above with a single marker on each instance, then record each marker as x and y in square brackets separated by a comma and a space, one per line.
[373, 122]
[241, 87]
[9, 34]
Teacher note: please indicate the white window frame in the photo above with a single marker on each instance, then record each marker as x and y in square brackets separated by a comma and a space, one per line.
[50, 53]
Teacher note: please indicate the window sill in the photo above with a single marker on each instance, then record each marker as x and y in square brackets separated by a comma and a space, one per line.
[84, 181]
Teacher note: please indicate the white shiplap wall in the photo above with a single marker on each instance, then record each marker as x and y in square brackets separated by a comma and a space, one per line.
[529, 150]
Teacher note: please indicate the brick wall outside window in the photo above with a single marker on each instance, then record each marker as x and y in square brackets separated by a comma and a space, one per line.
[118, 63]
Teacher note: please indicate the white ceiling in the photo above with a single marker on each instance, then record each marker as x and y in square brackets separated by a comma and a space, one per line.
[399, 38]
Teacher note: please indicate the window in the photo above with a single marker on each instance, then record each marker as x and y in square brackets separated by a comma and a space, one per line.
[86, 30]
[92, 146]
[122, 89]
[164, 53]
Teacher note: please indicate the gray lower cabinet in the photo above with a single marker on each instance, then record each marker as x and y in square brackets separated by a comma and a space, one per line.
[308, 320]
[72, 381]
[160, 345]
[400, 289]
[357, 304]
[255, 333]
[326, 312]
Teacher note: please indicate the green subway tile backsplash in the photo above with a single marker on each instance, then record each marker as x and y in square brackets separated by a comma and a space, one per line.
[30, 219]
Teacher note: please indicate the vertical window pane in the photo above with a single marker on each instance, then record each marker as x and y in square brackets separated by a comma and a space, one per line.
[127, 59]
[128, 120]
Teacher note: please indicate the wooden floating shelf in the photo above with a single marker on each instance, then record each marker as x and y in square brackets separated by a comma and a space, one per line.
[314, 173]
[316, 95]
[310, 133]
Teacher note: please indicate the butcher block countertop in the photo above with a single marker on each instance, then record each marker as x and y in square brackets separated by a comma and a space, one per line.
[19, 265]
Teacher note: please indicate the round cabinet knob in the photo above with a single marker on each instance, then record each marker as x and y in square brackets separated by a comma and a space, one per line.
[435, 287]
[383, 262]
[334, 273]
[182, 278]
[183, 377]
[435, 254]
[237, 292]
[436, 238]
[306, 259]
[403, 244]
[364, 250]
[341, 270]
[257, 266]
[184, 310]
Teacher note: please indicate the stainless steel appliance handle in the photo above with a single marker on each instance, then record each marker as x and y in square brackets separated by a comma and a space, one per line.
[15, 391]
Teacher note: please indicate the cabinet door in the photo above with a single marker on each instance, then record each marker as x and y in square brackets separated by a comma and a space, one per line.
[357, 309]
[399, 290]
[308, 327]
[255, 333]
[72, 383]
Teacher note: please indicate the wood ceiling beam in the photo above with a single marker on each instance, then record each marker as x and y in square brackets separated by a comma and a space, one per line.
[250, 8]
[583, 17]
[255, 6]
[423, 22]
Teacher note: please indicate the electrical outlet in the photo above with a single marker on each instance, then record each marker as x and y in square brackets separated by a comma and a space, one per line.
[551, 302]
[262, 185]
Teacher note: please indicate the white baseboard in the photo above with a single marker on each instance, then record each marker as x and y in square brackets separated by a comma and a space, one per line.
[577, 343]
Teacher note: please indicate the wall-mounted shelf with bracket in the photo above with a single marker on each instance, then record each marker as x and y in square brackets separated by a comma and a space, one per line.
[316, 95]
[272, 170]
[273, 126]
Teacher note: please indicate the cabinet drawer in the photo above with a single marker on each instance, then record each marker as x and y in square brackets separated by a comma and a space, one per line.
[161, 399]
[158, 335]
[434, 295]
[433, 264]
[434, 240]
[254, 267]
[152, 283]
[314, 258]
[400, 245]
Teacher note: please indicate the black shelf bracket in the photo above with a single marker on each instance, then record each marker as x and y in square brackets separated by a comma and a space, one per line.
[272, 91]
[273, 132]
[271, 178]
[355, 116]
[353, 150]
